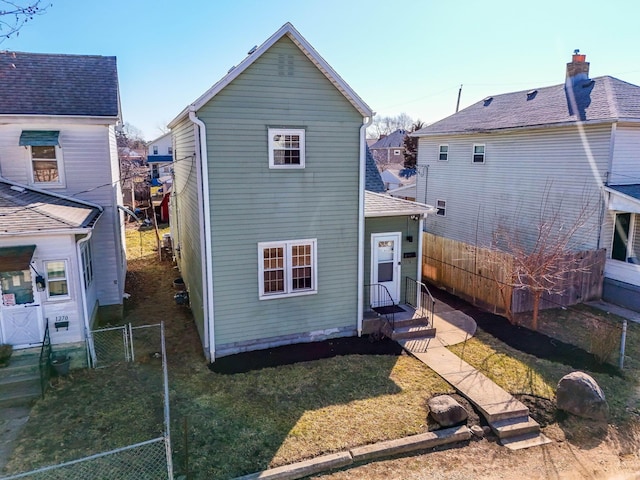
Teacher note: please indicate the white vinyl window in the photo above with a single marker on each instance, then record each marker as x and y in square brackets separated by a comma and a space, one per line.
[443, 153]
[46, 165]
[155, 149]
[286, 148]
[287, 268]
[57, 285]
[397, 152]
[441, 205]
[478, 153]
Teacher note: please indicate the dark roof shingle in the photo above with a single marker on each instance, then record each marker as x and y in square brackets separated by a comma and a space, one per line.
[373, 180]
[393, 140]
[52, 84]
[596, 100]
[23, 210]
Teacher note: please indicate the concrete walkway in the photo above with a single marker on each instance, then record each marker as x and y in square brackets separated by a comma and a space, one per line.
[508, 417]
[12, 421]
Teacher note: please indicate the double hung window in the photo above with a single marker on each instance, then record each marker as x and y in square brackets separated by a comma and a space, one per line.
[287, 268]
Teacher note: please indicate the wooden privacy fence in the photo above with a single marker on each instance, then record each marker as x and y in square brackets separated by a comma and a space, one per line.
[482, 276]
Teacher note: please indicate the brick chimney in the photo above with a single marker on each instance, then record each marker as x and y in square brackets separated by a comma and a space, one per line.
[578, 68]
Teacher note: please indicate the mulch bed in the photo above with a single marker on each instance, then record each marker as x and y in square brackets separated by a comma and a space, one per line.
[304, 352]
[520, 338]
[525, 340]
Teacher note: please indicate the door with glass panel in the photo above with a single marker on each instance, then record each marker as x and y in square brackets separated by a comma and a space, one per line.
[385, 267]
[20, 313]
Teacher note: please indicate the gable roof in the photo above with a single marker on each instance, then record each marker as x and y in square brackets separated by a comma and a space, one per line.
[26, 210]
[306, 48]
[380, 205]
[600, 100]
[373, 180]
[52, 84]
[393, 140]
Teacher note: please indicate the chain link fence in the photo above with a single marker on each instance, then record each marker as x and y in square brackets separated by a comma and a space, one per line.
[151, 459]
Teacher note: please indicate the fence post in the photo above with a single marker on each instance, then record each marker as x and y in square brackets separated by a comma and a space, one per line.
[623, 342]
[167, 427]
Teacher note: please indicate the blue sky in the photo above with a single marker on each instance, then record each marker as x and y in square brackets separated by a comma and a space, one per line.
[399, 58]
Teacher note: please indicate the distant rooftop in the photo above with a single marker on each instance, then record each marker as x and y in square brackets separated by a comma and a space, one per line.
[393, 140]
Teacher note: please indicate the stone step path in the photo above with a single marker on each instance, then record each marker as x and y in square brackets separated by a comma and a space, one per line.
[508, 418]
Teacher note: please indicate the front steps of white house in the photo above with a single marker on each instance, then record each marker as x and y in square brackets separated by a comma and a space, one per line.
[20, 380]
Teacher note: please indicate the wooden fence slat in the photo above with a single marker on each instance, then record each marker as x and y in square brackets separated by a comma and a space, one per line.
[474, 274]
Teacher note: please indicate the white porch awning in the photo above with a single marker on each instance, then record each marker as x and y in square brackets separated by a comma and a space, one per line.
[625, 198]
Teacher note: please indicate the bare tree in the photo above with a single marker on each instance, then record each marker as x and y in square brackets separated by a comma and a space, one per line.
[15, 14]
[386, 125]
[540, 254]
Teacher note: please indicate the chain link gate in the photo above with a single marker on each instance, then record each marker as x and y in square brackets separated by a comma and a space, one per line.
[149, 460]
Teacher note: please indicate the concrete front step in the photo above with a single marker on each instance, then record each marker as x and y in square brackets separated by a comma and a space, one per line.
[515, 427]
[22, 394]
[414, 331]
[20, 365]
[525, 441]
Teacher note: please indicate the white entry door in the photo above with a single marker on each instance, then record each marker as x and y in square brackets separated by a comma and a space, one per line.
[385, 266]
[21, 323]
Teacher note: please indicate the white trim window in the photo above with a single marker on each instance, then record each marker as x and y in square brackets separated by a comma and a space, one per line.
[441, 206]
[396, 152]
[443, 153]
[46, 164]
[478, 153]
[57, 284]
[87, 264]
[287, 268]
[286, 148]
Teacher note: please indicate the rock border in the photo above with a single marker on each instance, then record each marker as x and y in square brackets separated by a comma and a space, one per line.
[362, 454]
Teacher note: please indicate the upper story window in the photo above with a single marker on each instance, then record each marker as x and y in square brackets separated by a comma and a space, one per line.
[57, 286]
[170, 150]
[155, 149]
[441, 206]
[287, 268]
[286, 148]
[45, 156]
[478, 153]
[443, 153]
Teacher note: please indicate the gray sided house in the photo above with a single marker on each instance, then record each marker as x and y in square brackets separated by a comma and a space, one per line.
[62, 254]
[267, 207]
[514, 161]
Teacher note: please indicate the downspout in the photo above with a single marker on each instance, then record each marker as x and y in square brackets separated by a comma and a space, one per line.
[363, 162]
[420, 258]
[83, 295]
[205, 218]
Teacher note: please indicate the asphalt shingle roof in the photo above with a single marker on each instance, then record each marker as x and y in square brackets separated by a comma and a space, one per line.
[393, 140]
[380, 205]
[28, 211]
[51, 84]
[373, 180]
[600, 99]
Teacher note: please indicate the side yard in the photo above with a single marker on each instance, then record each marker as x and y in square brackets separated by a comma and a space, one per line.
[229, 425]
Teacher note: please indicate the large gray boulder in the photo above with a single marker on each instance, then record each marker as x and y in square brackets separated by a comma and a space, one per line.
[580, 395]
[446, 411]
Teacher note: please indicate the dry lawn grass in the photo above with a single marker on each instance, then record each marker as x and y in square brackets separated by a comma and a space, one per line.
[238, 424]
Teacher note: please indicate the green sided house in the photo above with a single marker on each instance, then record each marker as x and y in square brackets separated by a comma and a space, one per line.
[267, 209]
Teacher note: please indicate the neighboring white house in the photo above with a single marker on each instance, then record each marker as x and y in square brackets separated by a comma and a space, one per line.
[515, 160]
[160, 157]
[61, 238]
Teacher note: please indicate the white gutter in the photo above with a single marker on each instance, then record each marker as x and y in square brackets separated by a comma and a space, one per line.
[363, 163]
[204, 213]
[83, 295]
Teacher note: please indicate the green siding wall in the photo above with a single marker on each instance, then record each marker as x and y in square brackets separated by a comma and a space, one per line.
[408, 228]
[251, 203]
[184, 218]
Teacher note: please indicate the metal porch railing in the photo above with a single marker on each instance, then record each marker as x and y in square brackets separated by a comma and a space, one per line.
[381, 302]
[417, 295]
